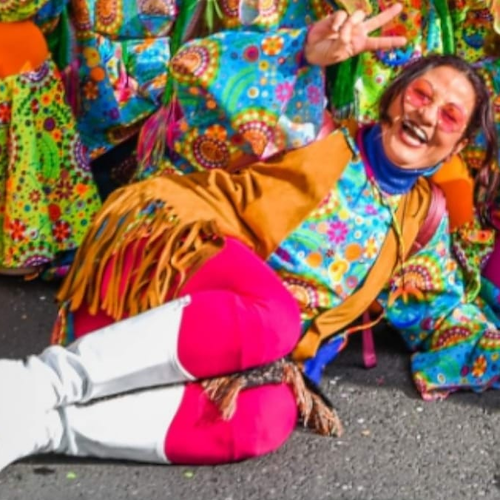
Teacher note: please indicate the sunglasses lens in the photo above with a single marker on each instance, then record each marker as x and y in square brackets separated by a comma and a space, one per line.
[420, 93]
[451, 119]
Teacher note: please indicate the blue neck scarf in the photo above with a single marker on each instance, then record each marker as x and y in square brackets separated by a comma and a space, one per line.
[390, 178]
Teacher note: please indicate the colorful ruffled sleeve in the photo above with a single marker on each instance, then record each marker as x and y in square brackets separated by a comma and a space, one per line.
[456, 342]
[245, 92]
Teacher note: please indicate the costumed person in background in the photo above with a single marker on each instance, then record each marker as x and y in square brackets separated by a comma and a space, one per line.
[300, 244]
[114, 55]
[47, 194]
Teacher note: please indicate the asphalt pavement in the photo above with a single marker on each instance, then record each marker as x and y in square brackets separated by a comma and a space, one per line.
[395, 446]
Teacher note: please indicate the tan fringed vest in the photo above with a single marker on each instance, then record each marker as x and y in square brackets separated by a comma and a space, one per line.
[182, 219]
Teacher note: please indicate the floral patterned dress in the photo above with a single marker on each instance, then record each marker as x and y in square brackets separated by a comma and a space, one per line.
[47, 193]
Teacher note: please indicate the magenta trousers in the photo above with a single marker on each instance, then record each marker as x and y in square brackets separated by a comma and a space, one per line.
[240, 316]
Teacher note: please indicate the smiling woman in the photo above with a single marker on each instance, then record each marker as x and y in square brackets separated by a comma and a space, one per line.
[432, 110]
[202, 283]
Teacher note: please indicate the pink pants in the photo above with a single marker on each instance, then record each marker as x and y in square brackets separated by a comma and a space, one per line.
[240, 316]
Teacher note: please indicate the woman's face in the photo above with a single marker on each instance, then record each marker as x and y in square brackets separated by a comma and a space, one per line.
[427, 121]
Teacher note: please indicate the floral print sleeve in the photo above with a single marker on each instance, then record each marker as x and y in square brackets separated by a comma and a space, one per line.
[456, 343]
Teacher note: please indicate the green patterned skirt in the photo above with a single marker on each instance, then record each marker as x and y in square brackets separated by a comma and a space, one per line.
[47, 194]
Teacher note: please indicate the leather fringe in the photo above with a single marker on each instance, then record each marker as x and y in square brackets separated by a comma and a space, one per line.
[315, 411]
[164, 251]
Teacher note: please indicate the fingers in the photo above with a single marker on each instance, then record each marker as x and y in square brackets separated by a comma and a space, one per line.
[346, 29]
[320, 30]
[383, 18]
[338, 18]
[385, 42]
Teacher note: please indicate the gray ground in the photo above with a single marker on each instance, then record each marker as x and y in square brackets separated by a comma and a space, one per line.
[395, 446]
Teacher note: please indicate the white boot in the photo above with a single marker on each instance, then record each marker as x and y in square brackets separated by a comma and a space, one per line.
[128, 427]
[131, 354]
[24, 432]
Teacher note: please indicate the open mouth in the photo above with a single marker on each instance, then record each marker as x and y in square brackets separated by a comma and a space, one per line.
[414, 132]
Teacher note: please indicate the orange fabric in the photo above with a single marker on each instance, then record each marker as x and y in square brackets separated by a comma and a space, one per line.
[22, 48]
[458, 188]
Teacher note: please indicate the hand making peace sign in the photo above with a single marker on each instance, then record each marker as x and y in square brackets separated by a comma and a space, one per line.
[341, 36]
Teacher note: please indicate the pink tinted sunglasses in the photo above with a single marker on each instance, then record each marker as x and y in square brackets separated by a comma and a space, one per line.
[420, 93]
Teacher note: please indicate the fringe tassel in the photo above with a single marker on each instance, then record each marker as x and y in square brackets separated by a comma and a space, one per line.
[316, 413]
[223, 392]
[164, 251]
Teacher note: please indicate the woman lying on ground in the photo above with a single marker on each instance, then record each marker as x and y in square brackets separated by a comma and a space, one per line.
[195, 287]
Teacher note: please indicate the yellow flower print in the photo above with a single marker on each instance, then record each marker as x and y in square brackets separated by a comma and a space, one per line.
[337, 270]
[479, 366]
[371, 248]
[253, 92]
[272, 45]
[92, 57]
[343, 214]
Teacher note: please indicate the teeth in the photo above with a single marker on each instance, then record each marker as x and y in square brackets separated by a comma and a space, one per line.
[415, 131]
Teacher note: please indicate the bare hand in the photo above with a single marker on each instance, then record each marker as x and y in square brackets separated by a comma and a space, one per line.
[341, 36]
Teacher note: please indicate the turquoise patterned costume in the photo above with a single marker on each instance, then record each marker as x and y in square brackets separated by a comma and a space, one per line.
[456, 343]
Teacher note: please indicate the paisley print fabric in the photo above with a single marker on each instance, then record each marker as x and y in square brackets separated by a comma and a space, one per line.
[122, 50]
